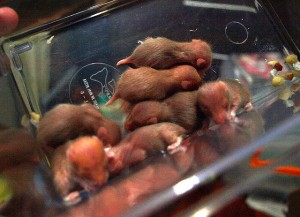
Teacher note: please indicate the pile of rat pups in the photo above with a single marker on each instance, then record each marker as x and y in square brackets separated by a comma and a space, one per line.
[164, 98]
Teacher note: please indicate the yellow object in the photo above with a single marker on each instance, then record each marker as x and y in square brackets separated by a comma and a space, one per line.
[34, 119]
[295, 73]
[35, 116]
[278, 81]
[24, 120]
[292, 58]
[6, 191]
[272, 63]
[285, 94]
[288, 76]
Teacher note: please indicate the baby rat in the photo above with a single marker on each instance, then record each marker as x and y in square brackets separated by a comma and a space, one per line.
[66, 121]
[79, 163]
[221, 99]
[180, 108]
[163, 53]
[142, 142]
[146, 83]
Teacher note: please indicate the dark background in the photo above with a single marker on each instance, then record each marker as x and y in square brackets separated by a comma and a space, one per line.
[288, 12]
[36, 12]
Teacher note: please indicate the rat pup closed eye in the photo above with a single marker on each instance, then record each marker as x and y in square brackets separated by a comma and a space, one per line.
[221, 99]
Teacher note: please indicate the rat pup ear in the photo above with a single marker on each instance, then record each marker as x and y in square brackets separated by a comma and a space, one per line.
[201, 63]
[102, 133]
[223, 87]
[71, 155]
[189, 85]
[152, 120]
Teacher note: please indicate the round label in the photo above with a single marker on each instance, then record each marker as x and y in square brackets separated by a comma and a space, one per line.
[94, 83]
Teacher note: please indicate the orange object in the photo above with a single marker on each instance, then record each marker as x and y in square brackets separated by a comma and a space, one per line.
[256, 162]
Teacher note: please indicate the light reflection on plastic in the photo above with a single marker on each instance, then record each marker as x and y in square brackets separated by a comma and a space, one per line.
[257, 4]
[202, 213]
[231, 30]
[185, 185]
[220, 6]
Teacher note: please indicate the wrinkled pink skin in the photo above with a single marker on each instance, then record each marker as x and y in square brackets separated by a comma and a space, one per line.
[214, 102]
[221, 117]
[163, 53]
[80, 162]
[140, 143]
[221, 99]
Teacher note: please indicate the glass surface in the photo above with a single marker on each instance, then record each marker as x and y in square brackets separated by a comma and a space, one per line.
[73, 60]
